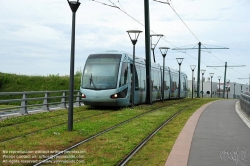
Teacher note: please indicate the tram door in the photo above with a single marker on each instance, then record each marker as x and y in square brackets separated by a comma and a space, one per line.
[125, 84]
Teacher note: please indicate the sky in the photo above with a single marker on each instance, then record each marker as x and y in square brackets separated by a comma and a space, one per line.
[36, 35]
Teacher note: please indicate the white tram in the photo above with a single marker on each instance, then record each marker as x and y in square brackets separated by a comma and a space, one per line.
[107, 80]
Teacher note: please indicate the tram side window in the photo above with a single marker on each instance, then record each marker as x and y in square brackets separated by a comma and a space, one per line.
[177, 81]
[166, 81]
[158, 79]
[136, 76]
[174, 82]
[124, 74]
[154, 79]
[143, 78]
[184, 82]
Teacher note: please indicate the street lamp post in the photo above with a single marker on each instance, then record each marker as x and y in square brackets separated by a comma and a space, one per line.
[211, 75]
[154, 45]
[133, 39]
[164, 51]
[234, 89]
[192, 68]
[179, 61]
[219, 77]
[202, 72]
[74, 6]
[228, 81]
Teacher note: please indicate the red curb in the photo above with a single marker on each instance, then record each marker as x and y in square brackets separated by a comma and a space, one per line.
[180, 151]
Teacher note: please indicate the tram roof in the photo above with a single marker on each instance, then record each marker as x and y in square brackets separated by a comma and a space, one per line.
[137, 59]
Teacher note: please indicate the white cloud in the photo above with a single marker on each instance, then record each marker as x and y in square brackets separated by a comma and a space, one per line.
[36, 35]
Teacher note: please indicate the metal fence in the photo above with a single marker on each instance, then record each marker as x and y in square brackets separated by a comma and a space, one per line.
[50, 98]
[215, 95]
[245, 102]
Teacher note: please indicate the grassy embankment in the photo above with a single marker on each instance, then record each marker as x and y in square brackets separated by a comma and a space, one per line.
[21, 83]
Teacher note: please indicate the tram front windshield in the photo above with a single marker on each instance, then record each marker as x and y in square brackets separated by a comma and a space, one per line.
[101, 71]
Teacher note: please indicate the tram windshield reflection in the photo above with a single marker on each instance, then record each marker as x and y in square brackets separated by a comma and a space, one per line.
[101, 71]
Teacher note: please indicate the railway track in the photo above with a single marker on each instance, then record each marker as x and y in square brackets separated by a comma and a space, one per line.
[105, 131]
[50, 127]
[40, 118]
[126, 159]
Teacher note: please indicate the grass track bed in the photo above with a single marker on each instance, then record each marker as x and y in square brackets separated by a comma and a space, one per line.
[23, 129]
[39, 116]
[107, 149]
[119, 142]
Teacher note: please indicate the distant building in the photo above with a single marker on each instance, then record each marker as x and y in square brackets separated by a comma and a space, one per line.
[230, 90]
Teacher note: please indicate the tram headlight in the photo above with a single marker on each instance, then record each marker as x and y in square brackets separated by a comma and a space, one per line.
[121, 94]
[83, 95]
[114, 96]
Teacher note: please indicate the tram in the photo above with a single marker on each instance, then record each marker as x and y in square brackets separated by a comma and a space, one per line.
[107, 80]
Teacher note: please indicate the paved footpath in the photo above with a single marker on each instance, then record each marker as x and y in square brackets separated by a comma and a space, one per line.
[220, 138]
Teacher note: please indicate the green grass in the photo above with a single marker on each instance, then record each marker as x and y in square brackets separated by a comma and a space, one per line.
[7, 106]
[109, 148]
[21, 83]
[40, 124]
[33, 117]
[122, 140]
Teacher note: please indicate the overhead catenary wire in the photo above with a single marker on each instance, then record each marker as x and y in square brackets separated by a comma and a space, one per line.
[105, 4]
[184, 23]
[171, 3]
[188, 28]
[136, 19]
[162, 2]
[239, 72]
[123, 10]
[153, 31]
[120, 5]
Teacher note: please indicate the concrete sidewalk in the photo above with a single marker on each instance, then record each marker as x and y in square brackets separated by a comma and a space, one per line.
[220, 138]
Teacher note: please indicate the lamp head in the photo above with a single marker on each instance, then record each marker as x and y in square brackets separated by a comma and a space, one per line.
[133, 35]
[192, 67]
[164, 51]
[202, 71]
[211, 75]
[74, 5]
[179, 60]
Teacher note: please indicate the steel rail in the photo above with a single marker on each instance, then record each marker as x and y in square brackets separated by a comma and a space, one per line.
[145, 140]
[34, 132]
[96, 135]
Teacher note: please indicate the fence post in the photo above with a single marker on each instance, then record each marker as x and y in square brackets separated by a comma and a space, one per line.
[63, 101]
[23, 109]
[78, 99]
[45, 102]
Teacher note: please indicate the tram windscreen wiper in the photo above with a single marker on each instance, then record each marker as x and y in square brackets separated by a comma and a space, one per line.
[91, 80]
